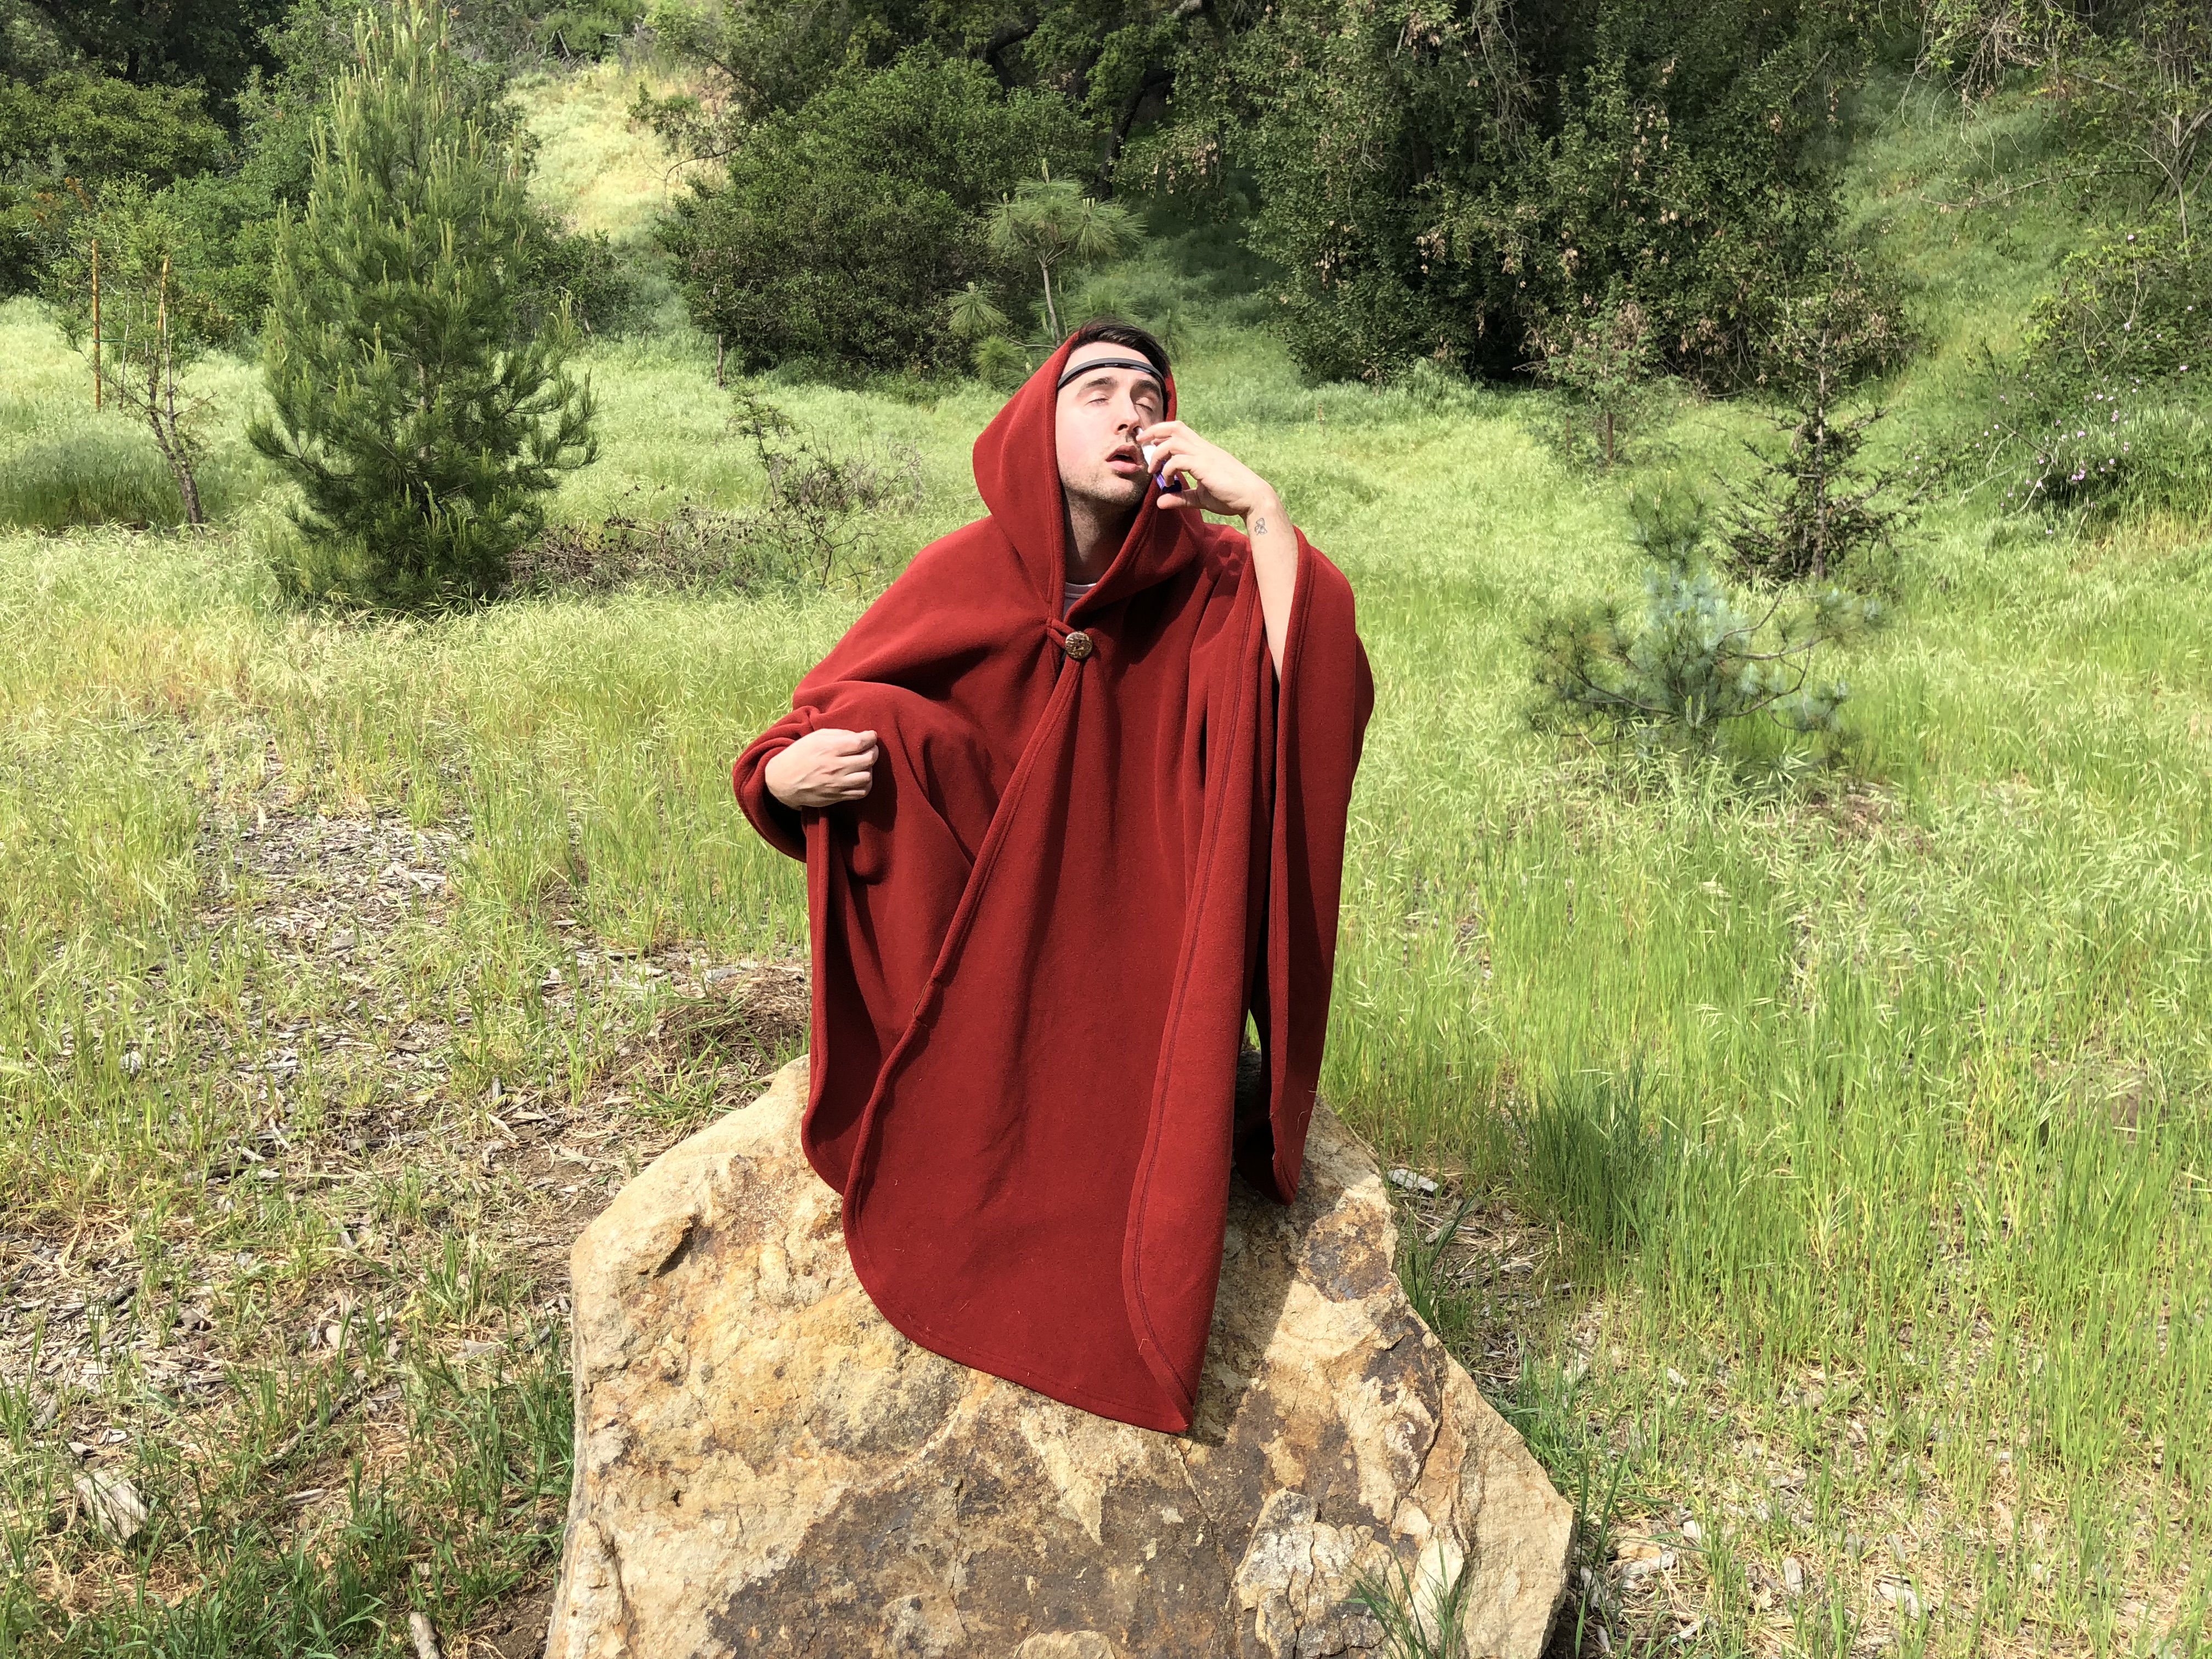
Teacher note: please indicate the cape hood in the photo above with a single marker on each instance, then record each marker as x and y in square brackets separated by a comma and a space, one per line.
[1092, 846]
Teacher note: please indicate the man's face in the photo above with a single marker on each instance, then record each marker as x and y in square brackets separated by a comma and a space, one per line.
[1095, 415]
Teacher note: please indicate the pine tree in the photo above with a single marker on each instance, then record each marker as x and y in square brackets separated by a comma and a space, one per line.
[1050, 223]
[1694, 658]
[421, 417]
[1814, 511]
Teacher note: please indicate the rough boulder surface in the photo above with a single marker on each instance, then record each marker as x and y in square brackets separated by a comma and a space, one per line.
[764, 1466]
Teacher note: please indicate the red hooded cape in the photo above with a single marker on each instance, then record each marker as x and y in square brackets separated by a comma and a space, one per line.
[1036, 938]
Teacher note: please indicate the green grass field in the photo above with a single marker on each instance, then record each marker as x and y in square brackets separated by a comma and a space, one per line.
[1839, 1144]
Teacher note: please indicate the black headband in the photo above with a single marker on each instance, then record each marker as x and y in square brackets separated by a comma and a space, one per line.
[1137, 363]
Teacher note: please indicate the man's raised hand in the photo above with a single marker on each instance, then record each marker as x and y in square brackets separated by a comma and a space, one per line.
[1207, 475]
[823, 769]
[1216, 480]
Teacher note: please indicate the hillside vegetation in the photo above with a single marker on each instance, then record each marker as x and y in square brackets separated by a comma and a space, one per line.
[1828, 1127]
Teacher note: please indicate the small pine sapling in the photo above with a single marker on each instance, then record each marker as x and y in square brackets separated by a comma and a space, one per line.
[972, 316]
[1693, 658]
[973, 319]
[1814, 511]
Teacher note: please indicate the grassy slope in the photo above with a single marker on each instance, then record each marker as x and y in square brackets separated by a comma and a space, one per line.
[1879, 1116]
[589, 162]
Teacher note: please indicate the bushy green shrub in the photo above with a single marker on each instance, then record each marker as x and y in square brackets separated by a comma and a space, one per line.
[527, 29]
[210, 46]
[420, 411]
[1110, 59]
[63, 136]
[93, 94]
[85, 126]
[2155, 459]
[2107, 410]
[1683, 178]
[2133, 306]
[841, 228]
[586, 31]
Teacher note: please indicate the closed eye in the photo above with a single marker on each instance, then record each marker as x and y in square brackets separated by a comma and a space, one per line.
[1146, 396]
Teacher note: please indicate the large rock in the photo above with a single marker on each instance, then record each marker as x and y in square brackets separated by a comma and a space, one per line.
[763, 1466]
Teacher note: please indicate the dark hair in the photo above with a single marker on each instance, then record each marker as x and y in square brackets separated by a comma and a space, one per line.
[1112, 331]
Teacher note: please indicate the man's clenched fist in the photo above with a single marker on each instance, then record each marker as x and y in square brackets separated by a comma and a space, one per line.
[823, 769]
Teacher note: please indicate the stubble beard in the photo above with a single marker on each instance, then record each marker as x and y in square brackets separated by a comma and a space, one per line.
[1105, 494]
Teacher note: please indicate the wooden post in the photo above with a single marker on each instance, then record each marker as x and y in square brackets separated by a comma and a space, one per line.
[718, 362]
[95, 324]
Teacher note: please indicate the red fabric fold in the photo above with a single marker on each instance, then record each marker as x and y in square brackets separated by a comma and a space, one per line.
[1036, 939]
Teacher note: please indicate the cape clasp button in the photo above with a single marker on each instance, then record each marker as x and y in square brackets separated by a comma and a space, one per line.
[1076, 645]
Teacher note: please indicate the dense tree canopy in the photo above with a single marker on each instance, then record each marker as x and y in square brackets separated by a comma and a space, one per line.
[1472, 182]
[1469, 184]
[237, 206]
[841, 229]
[93, 93]
[75, 131]
[1108, 60]
[214, 45]
[1484, 183]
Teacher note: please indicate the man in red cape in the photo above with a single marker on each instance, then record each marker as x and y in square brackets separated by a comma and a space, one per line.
[1071, 797]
